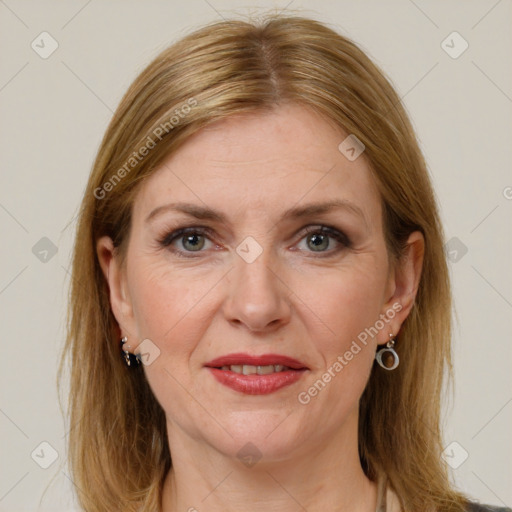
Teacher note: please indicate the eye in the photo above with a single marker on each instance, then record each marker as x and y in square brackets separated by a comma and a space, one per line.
[193, 242]
[323, 239]
[318, 241]
[186, 240]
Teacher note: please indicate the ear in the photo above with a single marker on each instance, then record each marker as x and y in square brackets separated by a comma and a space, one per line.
[403, 282]
[118, 288]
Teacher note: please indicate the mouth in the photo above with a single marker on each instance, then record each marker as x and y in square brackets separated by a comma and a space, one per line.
[256, 375]
[248, 369]
[267, 363]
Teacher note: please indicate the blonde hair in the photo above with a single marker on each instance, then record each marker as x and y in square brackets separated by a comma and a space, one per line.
[118, 446]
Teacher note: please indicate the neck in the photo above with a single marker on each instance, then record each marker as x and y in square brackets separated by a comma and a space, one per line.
[315, 478]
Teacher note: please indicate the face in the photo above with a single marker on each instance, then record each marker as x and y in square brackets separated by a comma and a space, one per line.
[258, 237]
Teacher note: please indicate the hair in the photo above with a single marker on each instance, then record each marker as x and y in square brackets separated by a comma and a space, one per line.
[118, 447]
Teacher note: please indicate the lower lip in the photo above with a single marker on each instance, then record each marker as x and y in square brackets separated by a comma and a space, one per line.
[256, 384]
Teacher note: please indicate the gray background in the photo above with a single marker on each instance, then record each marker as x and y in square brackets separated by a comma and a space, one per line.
[54, 112]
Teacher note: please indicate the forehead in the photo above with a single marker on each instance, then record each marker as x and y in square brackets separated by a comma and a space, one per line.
[263, 162]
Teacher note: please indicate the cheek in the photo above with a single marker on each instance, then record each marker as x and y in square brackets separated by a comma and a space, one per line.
[341, 308]
[163, 300]
[174, 310]
[344, 302]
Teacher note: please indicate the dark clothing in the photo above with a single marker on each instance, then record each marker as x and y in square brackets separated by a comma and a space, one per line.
[479, 507]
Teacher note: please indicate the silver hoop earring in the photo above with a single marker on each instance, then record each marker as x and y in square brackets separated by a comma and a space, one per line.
[130, 359]
[387, 352]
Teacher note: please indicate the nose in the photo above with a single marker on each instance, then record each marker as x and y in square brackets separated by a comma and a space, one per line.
[257, 295]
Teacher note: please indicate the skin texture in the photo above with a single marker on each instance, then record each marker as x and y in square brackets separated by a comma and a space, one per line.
[292, 300]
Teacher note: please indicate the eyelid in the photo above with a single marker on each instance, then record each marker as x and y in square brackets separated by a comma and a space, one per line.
[175, 234]
[340, 236]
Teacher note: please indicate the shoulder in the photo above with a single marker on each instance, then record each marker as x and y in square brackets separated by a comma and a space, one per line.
[479, 507]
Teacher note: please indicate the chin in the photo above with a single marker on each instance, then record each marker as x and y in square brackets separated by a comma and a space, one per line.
[269, 436]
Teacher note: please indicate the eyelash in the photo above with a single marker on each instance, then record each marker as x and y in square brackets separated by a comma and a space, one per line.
[167, 240]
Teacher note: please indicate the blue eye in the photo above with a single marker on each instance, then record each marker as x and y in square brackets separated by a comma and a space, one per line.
[318, 242]
[319, 239]
[323, 240]
[191, 240]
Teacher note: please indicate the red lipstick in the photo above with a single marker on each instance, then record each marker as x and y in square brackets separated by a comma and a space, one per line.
[254, 375]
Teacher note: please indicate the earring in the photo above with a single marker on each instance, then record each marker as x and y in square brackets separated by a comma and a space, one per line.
[130, 359]
[388, 352]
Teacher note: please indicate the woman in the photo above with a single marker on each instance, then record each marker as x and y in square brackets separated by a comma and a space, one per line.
[260, 310]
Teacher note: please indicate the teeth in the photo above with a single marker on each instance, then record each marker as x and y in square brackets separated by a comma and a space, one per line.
[265, 370]
[248, 369]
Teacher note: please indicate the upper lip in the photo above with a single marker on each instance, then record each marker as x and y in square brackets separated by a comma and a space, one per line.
[253, 360]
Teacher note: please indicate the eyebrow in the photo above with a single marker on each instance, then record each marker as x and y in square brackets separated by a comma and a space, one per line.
[296, 212]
